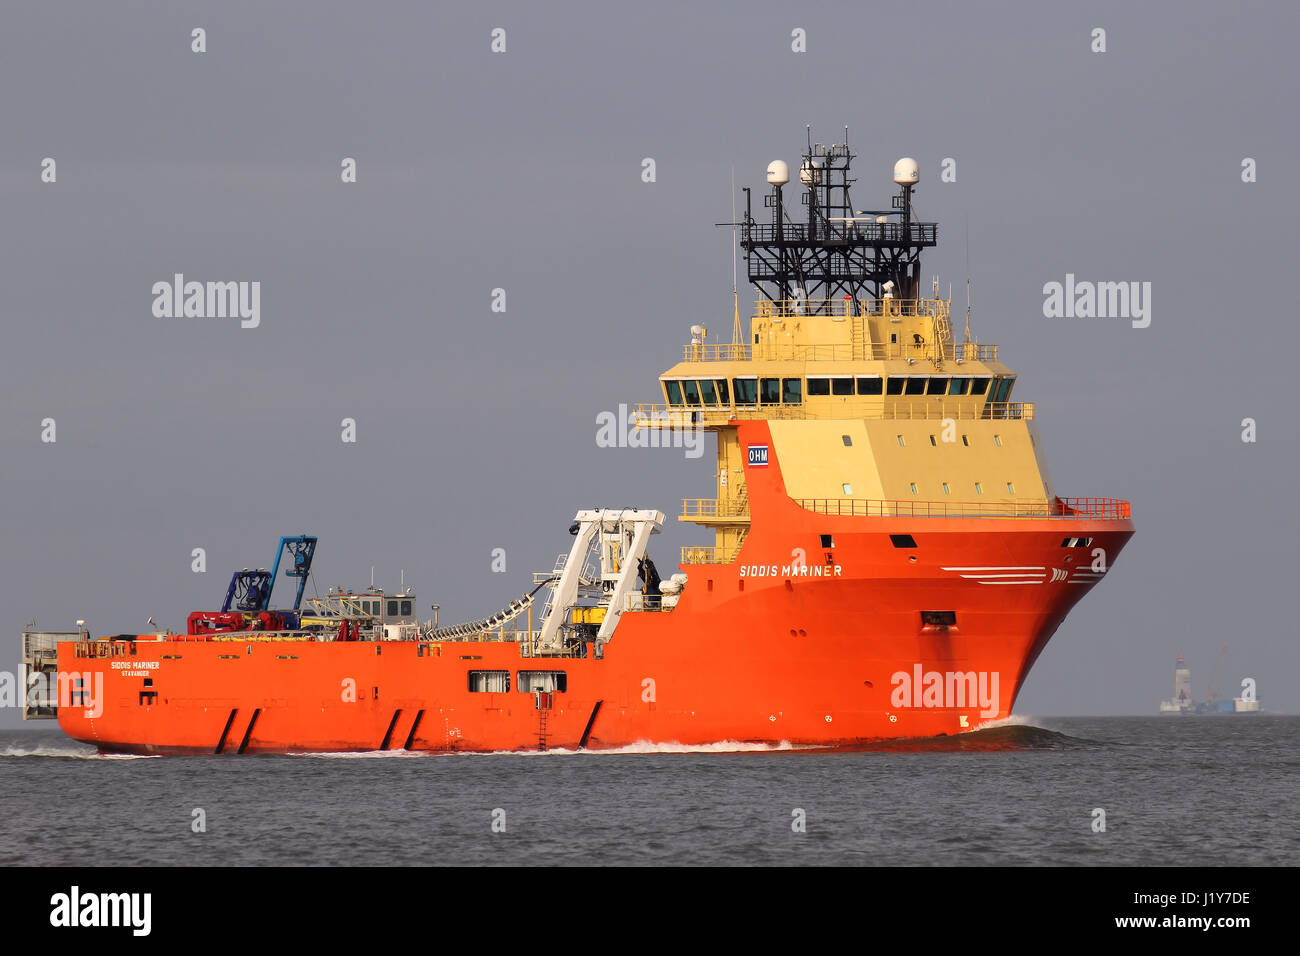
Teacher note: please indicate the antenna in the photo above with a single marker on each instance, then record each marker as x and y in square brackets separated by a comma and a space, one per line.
[735, 292]
[966, 240]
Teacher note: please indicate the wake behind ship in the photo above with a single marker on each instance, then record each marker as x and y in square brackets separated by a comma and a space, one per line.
[888, 556]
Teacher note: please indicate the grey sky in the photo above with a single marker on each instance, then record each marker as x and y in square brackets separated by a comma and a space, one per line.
[522, 171]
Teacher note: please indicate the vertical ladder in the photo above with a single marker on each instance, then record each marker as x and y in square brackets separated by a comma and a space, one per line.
[543, 701]
[858, 331]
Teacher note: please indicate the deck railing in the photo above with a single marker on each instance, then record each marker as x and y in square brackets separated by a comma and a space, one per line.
[1077, 508]
[938, 407]
[843, 352]
[713, 508]
[706, 555]
[848, 306]
[660, 415]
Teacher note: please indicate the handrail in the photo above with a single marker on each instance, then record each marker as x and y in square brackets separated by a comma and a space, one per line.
[1077, 508]
[891, 232]
[713, 508]
[660, 415]
[937, 406]
[865, 352]
[709, 555]
[847, 305]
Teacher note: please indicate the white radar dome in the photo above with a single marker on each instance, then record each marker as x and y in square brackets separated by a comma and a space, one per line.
[810, 172]
[778, 173]
[906, 172]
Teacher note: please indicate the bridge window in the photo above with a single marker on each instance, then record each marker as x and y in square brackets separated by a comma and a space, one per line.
[489, 682]
[841, 386]
[546, 681]
[938, 386]
[707, 393]
[792, 391]
[819, 386]
[1004, 392]
[691, 390]
[916, 385]
[869, 385]
[392, 609]
[407, 608]
[771, 391]
[746, 390]
[978, 386]
[674, 391]
[957, 386]
[895, 385]
[721, 384]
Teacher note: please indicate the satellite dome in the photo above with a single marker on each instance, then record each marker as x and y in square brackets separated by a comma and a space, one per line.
[906, 172]
[778, 173]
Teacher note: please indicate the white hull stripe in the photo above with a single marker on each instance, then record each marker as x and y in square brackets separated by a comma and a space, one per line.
[998, 567]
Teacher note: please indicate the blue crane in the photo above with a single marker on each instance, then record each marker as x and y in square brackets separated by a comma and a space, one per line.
[251, 590]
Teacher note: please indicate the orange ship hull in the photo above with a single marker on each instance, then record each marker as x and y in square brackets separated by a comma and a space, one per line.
[835, 649]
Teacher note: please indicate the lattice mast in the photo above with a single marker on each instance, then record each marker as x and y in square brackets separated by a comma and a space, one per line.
[835, 250]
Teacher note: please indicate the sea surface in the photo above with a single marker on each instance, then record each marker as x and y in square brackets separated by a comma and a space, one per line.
[1175, 790]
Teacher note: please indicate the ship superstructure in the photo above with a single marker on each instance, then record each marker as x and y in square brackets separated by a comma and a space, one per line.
[887, 554]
